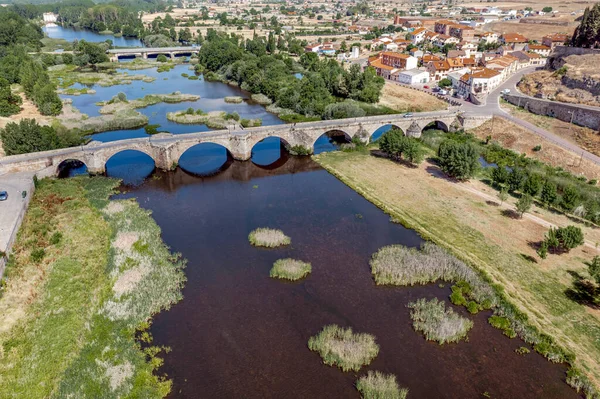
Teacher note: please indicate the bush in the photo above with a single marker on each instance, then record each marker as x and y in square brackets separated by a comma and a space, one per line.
[458, 160]
[27, 136]
[270, 238]
[396, 145]
[300, 150]
[161, 58]
[563, 239]
[524, 204]
[376, 385]
[290, 269]
[56, 238]
[504, 324]
[37, 255]
[343, 110]
[438, 323]
[343, 348]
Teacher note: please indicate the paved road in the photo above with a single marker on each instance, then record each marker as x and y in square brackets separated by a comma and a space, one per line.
[13, 209]
[492, 107]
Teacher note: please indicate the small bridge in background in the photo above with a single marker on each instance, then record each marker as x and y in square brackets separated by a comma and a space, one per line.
[144, 52]
[166, 149]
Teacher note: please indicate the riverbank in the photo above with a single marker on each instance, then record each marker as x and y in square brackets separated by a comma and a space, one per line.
[86, 276]
[461, 218]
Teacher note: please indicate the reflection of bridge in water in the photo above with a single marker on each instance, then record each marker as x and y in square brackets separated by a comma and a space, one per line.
[166, 149]
[144, 52]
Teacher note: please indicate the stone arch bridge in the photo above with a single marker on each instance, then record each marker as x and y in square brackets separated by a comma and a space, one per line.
[144, 52]
[166, 149]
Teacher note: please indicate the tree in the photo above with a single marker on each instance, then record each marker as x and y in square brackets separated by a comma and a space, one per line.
[27, 136]
[548, 195]
[185, 35]
[533, 184]
[503, 195]
[563, 239]
[499, 175]
[594, 269]
[458, 160]
[569, 198]
[95, 53]
[524, 204]
[398, 146]
[9, 102]
[445, 83]
[515, 180]
[161, 58]
[547, 9]
[587, 34]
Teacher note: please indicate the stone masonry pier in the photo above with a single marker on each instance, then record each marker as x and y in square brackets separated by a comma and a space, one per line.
[166, 149]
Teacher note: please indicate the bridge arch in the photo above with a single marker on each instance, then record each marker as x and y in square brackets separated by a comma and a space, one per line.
[71, 167]
[377, 133]
[438, 125]
[205, 158]
[269, 151]
[133, 166]
[330, 140]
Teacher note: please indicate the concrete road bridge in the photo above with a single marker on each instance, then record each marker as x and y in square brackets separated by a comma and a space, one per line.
[166, 149]
[144, 52]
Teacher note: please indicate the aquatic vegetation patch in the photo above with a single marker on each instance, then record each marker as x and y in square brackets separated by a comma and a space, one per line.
[115, 104]
[66, 76]
[251, 122]
[290, 269]
[400, 265]
[438, 323]
[76, 92]
[376, 385]
[71, 320]
[212, 119]
[234, 99]
[261, 99]
[266, 237]
[343, 348]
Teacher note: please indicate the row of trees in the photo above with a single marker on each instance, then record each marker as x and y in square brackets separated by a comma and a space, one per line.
[28, 136]
[400, 147]
[587, 34]
[254, 65]
[17, 37]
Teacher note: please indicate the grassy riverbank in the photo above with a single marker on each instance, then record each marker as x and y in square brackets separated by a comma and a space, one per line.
[461, 218]
[86, 276]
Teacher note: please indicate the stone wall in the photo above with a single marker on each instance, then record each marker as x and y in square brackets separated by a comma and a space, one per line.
[587, 116]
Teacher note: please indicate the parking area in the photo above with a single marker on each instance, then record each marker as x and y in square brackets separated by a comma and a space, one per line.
[13, 209]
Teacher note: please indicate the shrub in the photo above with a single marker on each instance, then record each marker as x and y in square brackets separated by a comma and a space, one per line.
[458, 160]
[37, 255]
[300, 150]
[438, 323]
[522, 350]
[232, 115]
[270, 238]
[563, 239]
[343, 348]
[504, 324]
[161, 58]
[376, 385]
[537, 148]
[524, 204]
[290, 269]
[343, 110]
[56, 238]
[152, 129]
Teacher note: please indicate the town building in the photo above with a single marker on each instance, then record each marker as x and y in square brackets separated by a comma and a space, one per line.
[515, 41]
[539, 49]
[412, 76]
[557, 39]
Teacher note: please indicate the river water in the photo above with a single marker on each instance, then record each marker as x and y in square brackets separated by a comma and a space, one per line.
[239, 333]
[70, 34]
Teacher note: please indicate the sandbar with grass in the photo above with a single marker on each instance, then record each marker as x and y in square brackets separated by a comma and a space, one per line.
[438, 323]
[377, 385]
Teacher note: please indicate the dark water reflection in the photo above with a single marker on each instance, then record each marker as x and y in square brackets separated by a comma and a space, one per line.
[240, 334]
[205, 159]
[71, 168]
[131, 166]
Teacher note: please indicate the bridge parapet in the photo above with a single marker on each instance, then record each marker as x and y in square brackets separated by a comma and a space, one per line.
[166, 149]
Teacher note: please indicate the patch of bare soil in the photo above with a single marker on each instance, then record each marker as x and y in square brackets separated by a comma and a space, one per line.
[403, 99]
[548, 85]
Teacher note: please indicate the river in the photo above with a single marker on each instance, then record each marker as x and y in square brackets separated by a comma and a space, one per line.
[70, 34]
[239, 333]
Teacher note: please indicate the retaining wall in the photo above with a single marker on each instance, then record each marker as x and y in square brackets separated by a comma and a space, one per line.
[586, 117]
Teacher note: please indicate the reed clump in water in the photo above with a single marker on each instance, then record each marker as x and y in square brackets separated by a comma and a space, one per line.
[266, 237]
[376, 385]
[399, 265]
[343, 348]
[438, 323]
[234, 99]
[290, 269]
